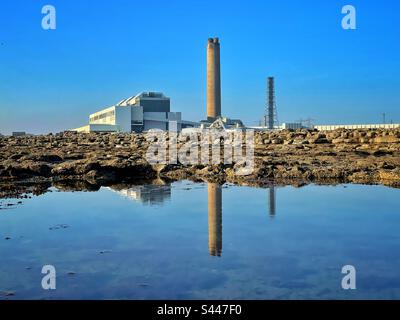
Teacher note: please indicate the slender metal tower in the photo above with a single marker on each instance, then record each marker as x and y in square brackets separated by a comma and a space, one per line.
[271, 114]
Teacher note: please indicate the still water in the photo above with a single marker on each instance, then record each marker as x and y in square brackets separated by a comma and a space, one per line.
[203, 241]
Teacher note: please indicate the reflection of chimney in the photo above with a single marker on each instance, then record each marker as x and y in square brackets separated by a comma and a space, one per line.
[272, 208]
[214, 219]
[213, 79]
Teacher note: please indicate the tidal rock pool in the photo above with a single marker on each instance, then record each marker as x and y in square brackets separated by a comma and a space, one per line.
[186, 240]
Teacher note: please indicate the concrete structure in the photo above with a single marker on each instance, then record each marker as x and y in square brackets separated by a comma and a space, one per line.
[145, 111]
[214, 118]
[98, 128]
[222, 123]
[19, 134]
[214, 219]
[291, 125]
[356, 126]
[213, 79]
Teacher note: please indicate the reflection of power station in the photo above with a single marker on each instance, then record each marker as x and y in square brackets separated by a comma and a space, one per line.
[214, 219]
[146, 194]
[272, 201]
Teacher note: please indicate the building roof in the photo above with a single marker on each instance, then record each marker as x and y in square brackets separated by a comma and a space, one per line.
[134, 100]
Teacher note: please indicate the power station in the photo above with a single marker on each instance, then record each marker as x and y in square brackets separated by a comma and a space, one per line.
[151, 110]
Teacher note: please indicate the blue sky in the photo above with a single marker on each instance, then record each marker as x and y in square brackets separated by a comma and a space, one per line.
[104, 51]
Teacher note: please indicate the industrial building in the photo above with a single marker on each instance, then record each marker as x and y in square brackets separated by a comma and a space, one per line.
[151, 110]
[291, 126]
[357, 126]
[145, 111]
[18, 133]
[213, 116]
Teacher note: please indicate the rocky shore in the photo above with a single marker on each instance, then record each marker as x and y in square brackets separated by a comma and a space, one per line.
[87, 161]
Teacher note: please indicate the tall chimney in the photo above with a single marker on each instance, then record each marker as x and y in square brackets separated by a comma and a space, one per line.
[213, 79]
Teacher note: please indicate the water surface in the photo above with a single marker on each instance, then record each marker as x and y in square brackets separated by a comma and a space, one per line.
[203, 241]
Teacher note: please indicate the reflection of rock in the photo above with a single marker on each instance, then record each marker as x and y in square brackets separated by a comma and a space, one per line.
[214, 219]
[23, 190]
[147, 194]
[67, 186]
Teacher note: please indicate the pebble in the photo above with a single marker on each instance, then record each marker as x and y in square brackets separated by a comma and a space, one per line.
[143, 284]
[59, 226]
[7, 293]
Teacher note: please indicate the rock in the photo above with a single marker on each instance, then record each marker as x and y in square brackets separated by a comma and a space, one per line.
[319, 139]
[390, 174]
[381, 152]
[143, 284]
[88, 161]
[387, 139]
[59, 226]
[101, 176]
[49, 158]
[338, 141]
[28, 168]
[277, 141]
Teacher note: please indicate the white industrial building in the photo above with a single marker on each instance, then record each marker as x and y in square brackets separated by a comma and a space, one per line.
[357, 126]
[145, 111]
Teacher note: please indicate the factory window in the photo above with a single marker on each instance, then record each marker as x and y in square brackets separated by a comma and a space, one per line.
[103, 117]
[106, 114]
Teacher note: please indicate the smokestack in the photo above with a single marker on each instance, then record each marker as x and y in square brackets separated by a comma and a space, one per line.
[213, 79]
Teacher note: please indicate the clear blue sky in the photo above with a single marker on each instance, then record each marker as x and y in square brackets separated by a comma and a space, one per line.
[104, 51]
